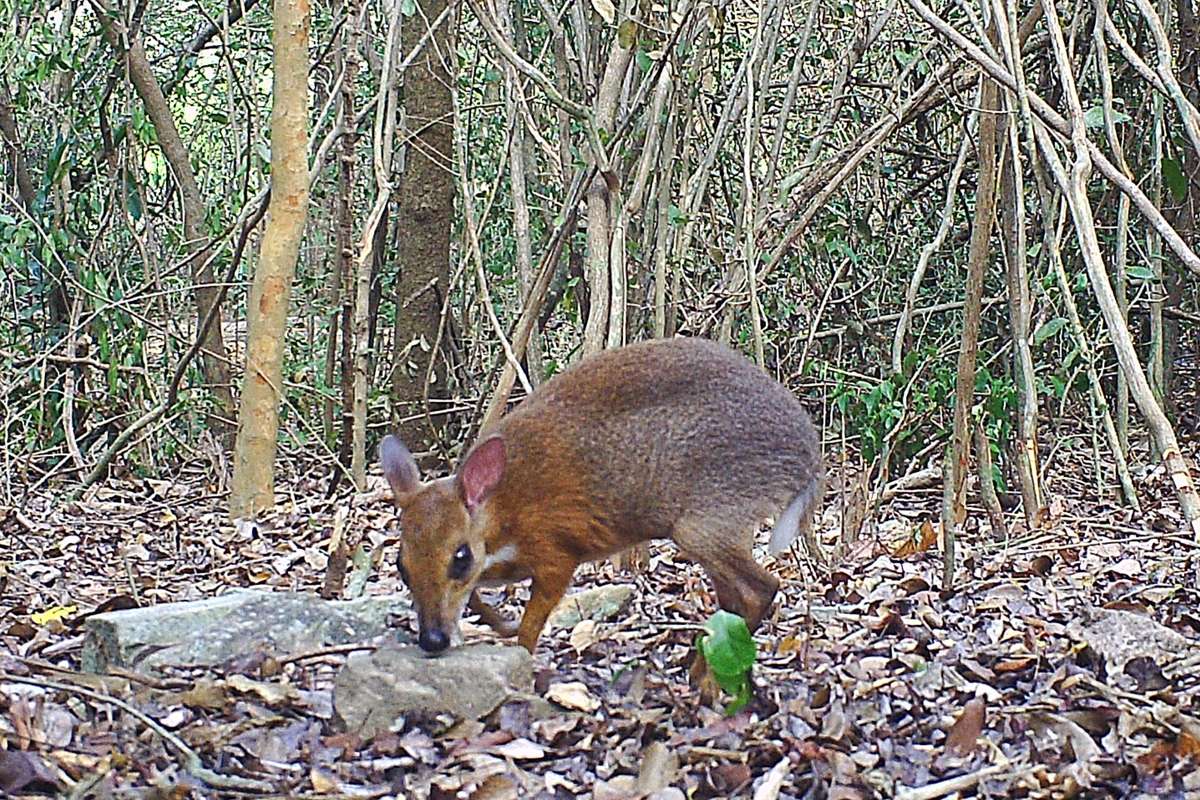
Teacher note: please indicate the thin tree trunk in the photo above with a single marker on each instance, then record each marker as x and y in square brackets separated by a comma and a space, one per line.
[1155, 368]
[253, 487]
[1020, 312]
[662, 227]
[1054, 254]
[518, 158]
[1074, 186]
[987, 482]
[954, 509]
[600, 203]
[345, 232]
[16, 151]
[382, 141]
[1121, 252]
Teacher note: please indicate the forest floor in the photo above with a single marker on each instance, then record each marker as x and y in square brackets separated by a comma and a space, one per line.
[1030, 678]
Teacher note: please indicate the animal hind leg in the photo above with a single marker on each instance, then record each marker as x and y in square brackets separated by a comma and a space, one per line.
[743, 586]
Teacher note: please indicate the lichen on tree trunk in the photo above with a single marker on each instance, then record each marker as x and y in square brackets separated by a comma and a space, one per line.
[253, 487]
[425, 205]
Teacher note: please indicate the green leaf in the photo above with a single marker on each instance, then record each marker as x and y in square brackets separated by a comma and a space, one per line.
[1094, 117]
[408, 7]
[1140, 273]
[1048, 329]
[644, 61]
[729, 652]
[728, 649]
[133, 201]
[1175, 179]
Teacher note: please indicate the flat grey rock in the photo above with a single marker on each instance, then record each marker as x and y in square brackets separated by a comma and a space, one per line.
[374, 689]
[209, 632]
[599, 603]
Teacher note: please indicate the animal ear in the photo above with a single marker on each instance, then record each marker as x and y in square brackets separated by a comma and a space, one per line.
[480, 474]
[399, 468]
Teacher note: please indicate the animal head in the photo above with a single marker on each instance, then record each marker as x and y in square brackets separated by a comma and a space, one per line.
[443, 525]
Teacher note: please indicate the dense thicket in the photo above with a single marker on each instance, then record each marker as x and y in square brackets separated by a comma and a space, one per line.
[814, 181]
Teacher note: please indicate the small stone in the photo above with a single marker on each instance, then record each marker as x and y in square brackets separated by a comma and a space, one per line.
[375, 689]
[1119, 636]
[599, 603]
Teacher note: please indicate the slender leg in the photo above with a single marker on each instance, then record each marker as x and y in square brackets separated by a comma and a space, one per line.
[743, 586]
[491, 617]
[548, 588]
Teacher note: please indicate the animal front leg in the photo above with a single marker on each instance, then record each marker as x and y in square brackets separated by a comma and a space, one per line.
[491, 616]
[548, 588]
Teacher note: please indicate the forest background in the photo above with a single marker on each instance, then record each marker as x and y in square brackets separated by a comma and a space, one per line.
[929, 256]
[240, 243]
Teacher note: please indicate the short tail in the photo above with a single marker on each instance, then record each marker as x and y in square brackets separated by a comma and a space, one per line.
[798, 516]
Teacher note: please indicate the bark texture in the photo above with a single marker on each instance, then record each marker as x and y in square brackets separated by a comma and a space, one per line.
[955, 508]
[425, 206]
[253, 487]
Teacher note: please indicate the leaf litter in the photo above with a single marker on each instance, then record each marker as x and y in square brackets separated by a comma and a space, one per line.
[1064, 663]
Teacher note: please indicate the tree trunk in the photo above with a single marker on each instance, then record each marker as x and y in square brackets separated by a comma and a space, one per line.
[1074, 186]
[1020, 312]
[345, 234]
[16, 154]
[252, 489]
[425, 205]
[520, 158]
[954, 509]
[213, 355]
[600, 206]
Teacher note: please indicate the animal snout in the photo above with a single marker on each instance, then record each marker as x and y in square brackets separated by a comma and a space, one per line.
[433, 640]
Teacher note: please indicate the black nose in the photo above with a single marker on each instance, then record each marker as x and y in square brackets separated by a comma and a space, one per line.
[433, 640]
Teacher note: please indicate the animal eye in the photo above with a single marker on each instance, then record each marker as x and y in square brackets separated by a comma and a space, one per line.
[461, 563]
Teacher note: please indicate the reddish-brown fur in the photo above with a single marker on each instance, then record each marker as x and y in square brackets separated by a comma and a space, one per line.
[682, 439]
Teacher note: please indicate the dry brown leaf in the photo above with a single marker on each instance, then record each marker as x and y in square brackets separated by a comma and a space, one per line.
[605, 9]
[270, 693]
[965, 732]
[573, 695]
[497, 787]
[925, 539]
[658, 770]
[519, 750]
[205, 694]
[584, 635]
[323, 782]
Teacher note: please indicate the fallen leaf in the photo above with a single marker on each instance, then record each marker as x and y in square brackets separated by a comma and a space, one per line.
[605, 9]
[658, 770]
[323, 782]
[773, 781]
[1129, 567]
[52, 614]
[584, 635]
[965, 732]
[20, 771]
[573, 695]
[270, 693]
[518, 750]
[205, 694]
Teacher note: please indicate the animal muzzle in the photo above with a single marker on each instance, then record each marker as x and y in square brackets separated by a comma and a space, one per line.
[433, 639]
